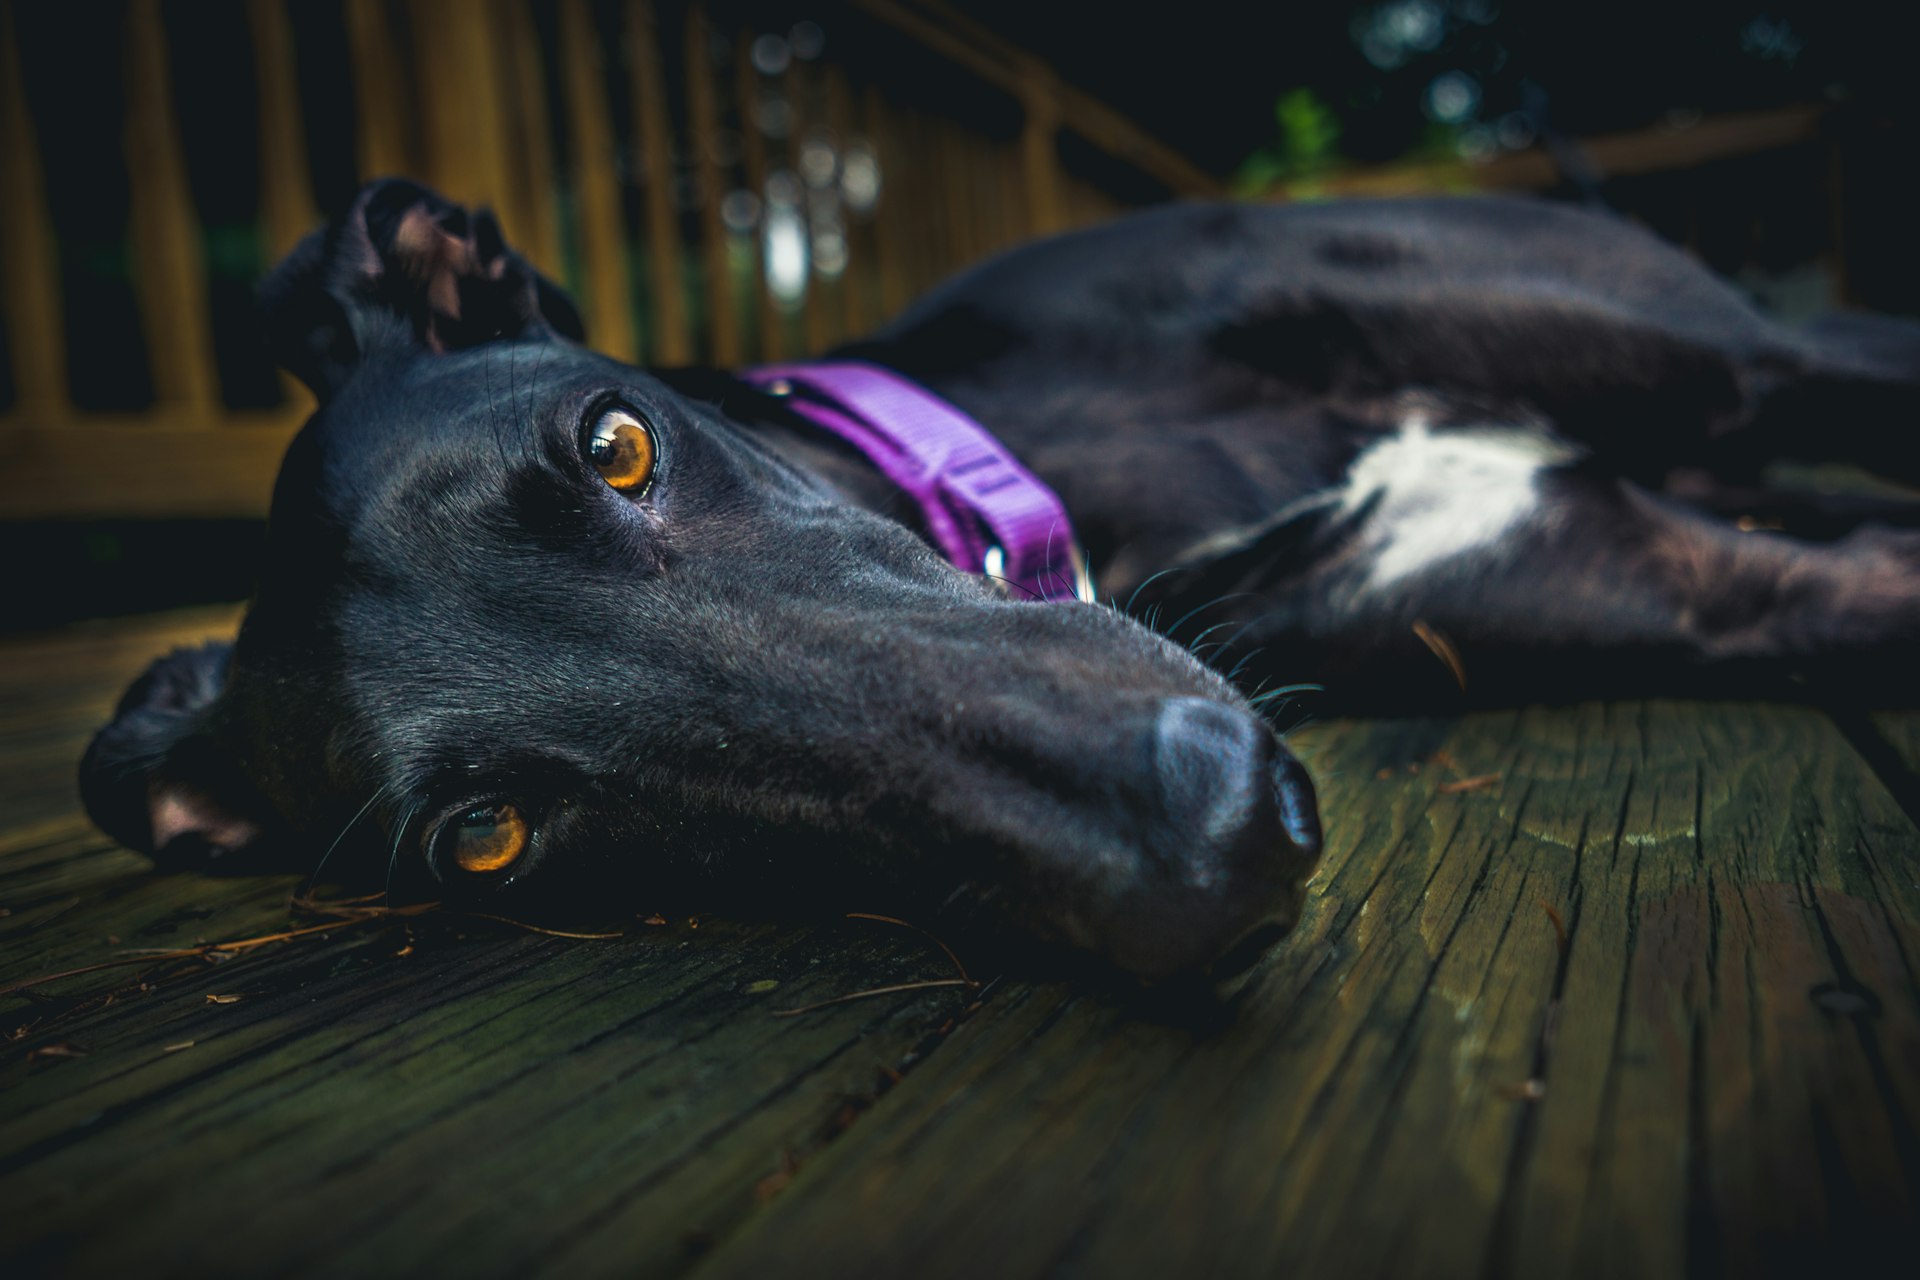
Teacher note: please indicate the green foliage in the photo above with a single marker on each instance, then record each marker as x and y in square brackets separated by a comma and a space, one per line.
[1307, 144]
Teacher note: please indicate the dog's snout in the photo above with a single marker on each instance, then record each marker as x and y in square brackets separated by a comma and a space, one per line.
[1211, 765]
[1229, 830]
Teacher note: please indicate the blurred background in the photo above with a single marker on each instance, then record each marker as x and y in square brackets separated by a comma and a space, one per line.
[721, 182]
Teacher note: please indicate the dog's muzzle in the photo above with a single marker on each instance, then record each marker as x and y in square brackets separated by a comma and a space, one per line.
[1227, 832]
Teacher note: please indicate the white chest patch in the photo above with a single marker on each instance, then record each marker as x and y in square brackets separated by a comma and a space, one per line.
[1440, 494]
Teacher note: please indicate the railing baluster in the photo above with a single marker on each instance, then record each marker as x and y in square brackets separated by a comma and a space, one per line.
[856, 316]
[723, 316]
[286, 188]
[673, 341]
[817, 312]
[170, 272]
[526, 143]
[595, 165]
[889, 224]
[29, 267]
[383, 144]
[753, 149]
[1040, 149]
[462, 125]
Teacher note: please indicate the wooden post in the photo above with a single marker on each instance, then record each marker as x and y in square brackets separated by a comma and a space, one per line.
[817, 309]
[286, 189]
[36, 336]
[957, 180]
[525, 146]
[382, 141]
[462, 125]
[723, 317]
[1040, 149]
[753, 150]
[287, 211]
[855, 297]
[890, 230]
[170, 269]
[673, 342]
[596, 195]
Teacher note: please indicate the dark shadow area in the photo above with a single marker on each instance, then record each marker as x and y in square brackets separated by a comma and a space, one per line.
[66, 570]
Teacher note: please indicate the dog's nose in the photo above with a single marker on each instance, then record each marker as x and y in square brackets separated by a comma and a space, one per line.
[1228, 838]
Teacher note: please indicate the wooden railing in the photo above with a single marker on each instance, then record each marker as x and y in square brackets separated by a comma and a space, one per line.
[635, 150]
[625, 147]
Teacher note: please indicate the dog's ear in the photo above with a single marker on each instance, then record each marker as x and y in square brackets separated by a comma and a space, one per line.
[156, 780]
[404, 264]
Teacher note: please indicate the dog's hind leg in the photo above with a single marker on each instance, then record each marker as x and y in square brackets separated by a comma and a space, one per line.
[1851, 394]
[1806, 506]
[1592, 585]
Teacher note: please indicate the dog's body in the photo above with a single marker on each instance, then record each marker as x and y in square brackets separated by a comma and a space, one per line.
[1300, 431]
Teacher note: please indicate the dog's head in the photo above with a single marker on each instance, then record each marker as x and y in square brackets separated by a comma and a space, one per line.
[536, 626]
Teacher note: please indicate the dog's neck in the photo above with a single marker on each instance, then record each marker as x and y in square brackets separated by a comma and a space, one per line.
[830, 460]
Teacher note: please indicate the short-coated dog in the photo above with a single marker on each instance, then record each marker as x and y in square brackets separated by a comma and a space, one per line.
[537, 625]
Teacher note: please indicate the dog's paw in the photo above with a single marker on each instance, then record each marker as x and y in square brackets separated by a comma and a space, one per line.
[153, 780]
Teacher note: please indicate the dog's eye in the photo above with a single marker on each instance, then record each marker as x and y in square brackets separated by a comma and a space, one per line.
[621, 449]
[488, 838]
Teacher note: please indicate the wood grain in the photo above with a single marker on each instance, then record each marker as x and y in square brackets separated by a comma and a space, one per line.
[1644, 1005]
[1715, 1076]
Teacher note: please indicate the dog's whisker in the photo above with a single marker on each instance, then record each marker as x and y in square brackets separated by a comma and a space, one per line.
[1147, 583]
[1210, 630]
[1284, 690]
[1199, 609]
[1223, 647]
[745, 637]
[513, 372]
[352, 822]
[400, 830]
[493, 416]
[533, 382]
[1239, 666]
[1019, 585]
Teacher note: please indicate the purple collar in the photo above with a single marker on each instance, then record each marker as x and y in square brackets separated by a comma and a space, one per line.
[984, 511]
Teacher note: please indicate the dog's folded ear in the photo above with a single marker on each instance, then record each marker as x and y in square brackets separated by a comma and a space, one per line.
[404, 264]
[156, 780]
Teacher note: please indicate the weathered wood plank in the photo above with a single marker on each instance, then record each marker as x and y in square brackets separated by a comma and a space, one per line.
[1716, 1074]
[392, 1097]
[393, 1106]
[1713, 1074]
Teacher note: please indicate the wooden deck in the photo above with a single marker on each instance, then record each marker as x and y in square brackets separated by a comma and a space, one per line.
[1643, 1004]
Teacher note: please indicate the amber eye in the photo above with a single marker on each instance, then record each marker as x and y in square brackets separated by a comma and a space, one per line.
[488, 838]
[621, 449]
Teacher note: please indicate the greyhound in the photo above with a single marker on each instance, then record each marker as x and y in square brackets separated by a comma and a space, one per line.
[540, 627]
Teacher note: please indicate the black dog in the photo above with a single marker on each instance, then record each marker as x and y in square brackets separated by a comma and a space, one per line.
[539, 623]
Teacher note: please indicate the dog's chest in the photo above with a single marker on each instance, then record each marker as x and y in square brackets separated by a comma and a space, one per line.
[1422, 496]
